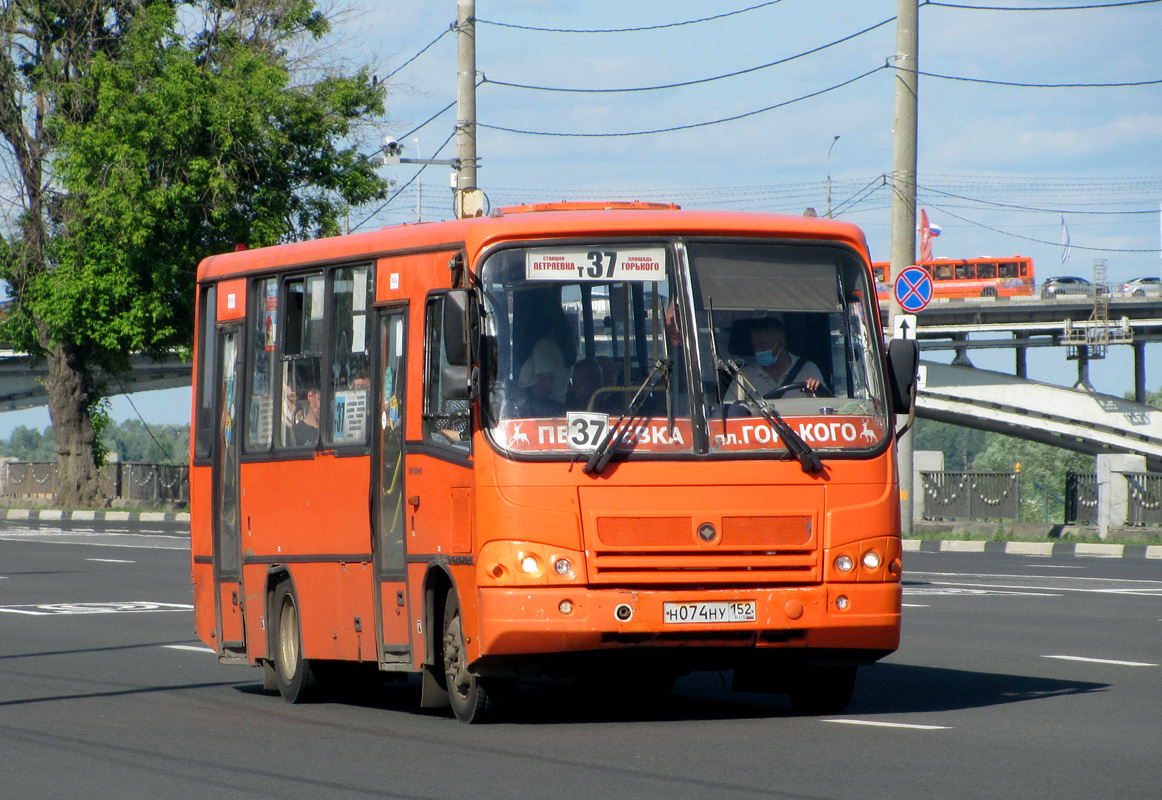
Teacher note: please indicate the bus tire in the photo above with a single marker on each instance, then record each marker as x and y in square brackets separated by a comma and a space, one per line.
[473, 698]
[988, 291]
[823, 690]
[293, 674]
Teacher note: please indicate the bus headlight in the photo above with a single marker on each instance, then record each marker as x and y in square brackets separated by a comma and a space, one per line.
[871, 559]
[563, 567]
[844, 564]
[508, 563]
[530, 565]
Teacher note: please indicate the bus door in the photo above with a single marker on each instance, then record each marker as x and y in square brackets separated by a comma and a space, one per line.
[227, 536]
[390, 541]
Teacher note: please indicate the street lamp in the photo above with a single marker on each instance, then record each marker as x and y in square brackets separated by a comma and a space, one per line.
[833, 141]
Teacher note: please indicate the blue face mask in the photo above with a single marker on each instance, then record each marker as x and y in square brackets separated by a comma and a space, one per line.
[767, 358]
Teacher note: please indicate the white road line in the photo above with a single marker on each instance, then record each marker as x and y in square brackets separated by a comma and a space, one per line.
[872, 724]
[187, 647]
[112, 560]
[1112, 661]
[914, 605]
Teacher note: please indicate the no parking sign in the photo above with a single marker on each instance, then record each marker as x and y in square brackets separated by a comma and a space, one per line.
[913, 289]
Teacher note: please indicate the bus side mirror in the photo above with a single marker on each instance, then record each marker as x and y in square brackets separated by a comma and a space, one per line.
[903, 364]
[460, 327]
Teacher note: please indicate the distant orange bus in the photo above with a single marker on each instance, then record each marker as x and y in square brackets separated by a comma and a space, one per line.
[539, 443]
[969, 277]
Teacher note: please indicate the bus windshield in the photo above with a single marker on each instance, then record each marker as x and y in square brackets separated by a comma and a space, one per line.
[788, 328]
[574, 333]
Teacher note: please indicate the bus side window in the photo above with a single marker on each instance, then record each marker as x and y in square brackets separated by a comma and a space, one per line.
[350, 376]
[1007, 270]
[207, 372]
[965, 272]
[986, 270]
[301, 354]
[446, 422]
[263, 366]
[944, 272]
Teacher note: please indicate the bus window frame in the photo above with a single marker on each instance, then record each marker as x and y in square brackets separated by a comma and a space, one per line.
[431, 386]
[207, 351]
[676, 246]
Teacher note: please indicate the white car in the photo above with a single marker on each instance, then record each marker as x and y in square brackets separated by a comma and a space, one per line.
[1140, 287]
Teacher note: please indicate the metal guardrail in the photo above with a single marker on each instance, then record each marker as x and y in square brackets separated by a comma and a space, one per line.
[971, 495]
[1144, 497]
[156, 484]
[1080, 498]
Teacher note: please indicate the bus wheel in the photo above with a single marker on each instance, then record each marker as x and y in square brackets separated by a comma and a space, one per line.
[293, 674]
[988, 291]
[473, 698]
[823, 690]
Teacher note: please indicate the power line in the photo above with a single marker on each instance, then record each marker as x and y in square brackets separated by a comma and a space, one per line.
[628, 30]
[447, 30]
[699, 80]
[1089, 7]
[1030, 208]
[691, 125]
[1040, 85]
[1038, 241]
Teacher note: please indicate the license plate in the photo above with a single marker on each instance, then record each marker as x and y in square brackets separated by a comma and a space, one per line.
[708, 612]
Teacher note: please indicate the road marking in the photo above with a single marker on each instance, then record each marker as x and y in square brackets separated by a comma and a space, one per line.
[1054, 566]
[112, 560]
[125, 607]
[914, 605]
[191, 647]
[948, 590]
[1050, 583]
[872, 724]
[1112, 661]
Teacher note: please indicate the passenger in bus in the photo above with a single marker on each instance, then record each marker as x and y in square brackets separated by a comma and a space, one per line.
[583, 384]
[544, 376]
[773, 367]
[306, 430]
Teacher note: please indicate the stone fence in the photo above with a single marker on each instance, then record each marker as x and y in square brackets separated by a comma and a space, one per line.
[125, 483]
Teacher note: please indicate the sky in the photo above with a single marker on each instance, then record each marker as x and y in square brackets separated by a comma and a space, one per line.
[999, 166]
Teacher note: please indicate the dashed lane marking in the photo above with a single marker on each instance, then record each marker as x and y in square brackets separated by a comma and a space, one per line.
[194, 648]
[124, 607]
[873, 724]
[1111, 661]
[112, 560]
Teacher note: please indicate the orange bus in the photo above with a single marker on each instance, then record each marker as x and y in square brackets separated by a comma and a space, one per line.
[969, 277]
[537, 443]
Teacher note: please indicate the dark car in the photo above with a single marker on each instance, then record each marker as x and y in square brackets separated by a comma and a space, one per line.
[1140, 287]
[1066, 285]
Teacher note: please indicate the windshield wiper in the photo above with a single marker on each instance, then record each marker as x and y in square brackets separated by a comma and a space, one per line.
[802, 451]
[604, 451]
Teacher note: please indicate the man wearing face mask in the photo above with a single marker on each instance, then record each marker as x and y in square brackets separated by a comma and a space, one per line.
[774, 367]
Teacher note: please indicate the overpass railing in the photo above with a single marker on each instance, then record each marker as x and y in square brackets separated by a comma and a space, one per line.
[1080, 498]
[971, 495]
[146, 484]
[1144, 498]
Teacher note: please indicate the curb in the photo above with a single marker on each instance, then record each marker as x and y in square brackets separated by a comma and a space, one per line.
[54, 515]
[1080, 549]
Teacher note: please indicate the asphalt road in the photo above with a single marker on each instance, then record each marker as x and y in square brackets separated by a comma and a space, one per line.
[1018, 677]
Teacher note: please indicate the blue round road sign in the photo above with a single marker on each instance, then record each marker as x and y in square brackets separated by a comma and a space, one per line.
[913, 289]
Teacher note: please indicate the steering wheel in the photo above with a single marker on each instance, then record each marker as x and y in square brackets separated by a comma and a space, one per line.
[776, 393]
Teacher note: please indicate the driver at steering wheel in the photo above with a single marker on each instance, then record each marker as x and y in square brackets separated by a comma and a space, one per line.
[775, 371]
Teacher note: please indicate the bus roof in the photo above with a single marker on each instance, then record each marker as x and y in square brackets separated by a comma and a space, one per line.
[530, 222]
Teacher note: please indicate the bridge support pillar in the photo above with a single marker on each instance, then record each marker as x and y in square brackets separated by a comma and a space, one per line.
[1139, 372]
[1113, 495]
[1022, 367]
[961, 359]
[1083, 370]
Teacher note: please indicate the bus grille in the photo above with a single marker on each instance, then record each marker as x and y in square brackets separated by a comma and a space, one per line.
[667, 550]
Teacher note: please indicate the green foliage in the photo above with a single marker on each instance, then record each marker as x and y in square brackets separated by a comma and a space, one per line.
[131, 441]
[959, 445]
[29, 444]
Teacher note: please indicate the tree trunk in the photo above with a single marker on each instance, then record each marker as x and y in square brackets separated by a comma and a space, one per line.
[70, 395]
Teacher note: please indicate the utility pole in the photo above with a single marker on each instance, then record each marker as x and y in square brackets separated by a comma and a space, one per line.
[903, 251]
[469, 198]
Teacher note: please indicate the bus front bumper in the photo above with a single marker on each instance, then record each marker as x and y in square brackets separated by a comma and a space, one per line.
[546, 620]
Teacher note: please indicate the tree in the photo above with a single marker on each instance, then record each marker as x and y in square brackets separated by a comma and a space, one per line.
[1043, 469]
[144, 135]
